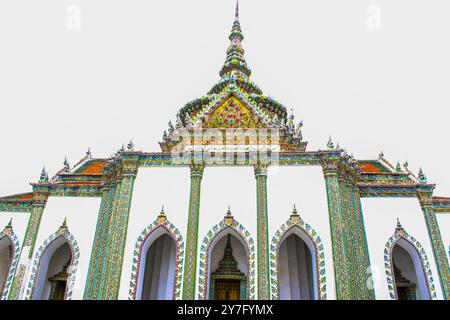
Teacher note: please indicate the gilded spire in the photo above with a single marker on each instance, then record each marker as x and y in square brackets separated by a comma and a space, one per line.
[235, 64]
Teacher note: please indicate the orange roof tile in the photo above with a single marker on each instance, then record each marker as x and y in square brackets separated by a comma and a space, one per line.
[95, 168]
[369, 168]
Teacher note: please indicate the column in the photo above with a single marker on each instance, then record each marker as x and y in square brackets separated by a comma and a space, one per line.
[40, 197]
[93, 288]
[365, 280]
[263, 254]
[338, 232]
[425, 196]
[190, 261]
[119, 226]
[350, 236]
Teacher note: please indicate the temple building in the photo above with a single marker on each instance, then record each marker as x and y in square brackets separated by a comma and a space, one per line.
[233, 207]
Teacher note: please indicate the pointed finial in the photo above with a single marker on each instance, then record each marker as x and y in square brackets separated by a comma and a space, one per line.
[422, 177]
[381, 155]
[330, 144]
[88, 153]
[162, 216]
[398, 168]
[8, 227]
[295, 217]
[44, 176]
[130, 146]
[66, 163]
[63, 227]
[399, 225]
[229, 217]
[406, 164]
[236, 15]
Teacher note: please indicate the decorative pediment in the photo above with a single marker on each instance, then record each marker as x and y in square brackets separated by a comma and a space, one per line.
[233, 113]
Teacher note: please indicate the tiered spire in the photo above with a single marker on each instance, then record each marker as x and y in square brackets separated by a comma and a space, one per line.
[235, 64]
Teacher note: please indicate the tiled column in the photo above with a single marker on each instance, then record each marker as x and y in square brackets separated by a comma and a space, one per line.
[338, 232]
[363, 260]
[119, 226]
[95, 273]
[263, 253]
[40, 196]
[190, 261]
[425, 196]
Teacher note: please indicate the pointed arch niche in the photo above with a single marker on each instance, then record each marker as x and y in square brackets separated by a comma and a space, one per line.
[9, 256]
[408, 270]
[157, 262]
[297, 262]
[227, 246]
[54, 267]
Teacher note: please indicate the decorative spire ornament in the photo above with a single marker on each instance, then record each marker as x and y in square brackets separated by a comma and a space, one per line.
[229, 217]
[130, 146]
[399, 225]
[44, 176]
[63, 228]
[162, 216]
[88, 153]
[406, 164]
[381, 155]
[330, 144]
[295, 217]
[235, 64]
[422, 177]
[398, 168]
[66, 164]
[165, 135]
[171, 128]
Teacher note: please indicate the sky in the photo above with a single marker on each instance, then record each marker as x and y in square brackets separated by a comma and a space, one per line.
[374, 75]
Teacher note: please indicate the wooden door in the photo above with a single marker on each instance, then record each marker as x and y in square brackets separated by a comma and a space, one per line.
[227, 290]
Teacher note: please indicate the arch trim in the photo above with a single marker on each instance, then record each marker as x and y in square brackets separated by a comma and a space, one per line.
[63, 232]
[399, 234]
[175, 234]
[297, 222]
[9, 233]
[227, 223]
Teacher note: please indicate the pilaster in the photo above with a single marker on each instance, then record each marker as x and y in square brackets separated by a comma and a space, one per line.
[425, 196]
[338, 229]
[263, 252]
[190, 261]
[99, 247]
[119, 225]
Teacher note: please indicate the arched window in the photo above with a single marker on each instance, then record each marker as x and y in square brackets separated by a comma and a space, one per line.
[406, 274]
[9, 257]
[55, 264]
[157, 267]
[6, 255]
[298, 266]
[227, 262]
[157, 262]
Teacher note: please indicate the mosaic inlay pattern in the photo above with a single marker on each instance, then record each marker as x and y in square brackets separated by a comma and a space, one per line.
[400, 233]
[297, 222]
[15, 254]
[206, 248]
[75, 251]
[137, 255]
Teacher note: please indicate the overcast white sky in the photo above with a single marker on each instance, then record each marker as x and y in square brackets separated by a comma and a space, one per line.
[133, 64]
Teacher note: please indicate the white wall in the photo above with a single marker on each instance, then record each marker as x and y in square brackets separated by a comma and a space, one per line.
[81, 216]
[153, 188]
[443, 220]
[304, 186]
[380, 217]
